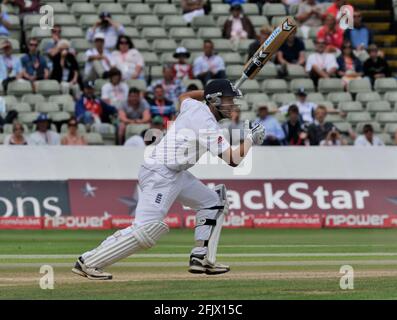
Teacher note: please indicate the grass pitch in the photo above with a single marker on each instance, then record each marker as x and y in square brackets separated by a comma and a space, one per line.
[266, 264]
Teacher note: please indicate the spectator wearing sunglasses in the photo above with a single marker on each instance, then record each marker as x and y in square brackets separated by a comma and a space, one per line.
[72, 137]
[17, 138]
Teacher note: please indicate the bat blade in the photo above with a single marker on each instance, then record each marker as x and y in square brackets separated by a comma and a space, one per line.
[267, 49]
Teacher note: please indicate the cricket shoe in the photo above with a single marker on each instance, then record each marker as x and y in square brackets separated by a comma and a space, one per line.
[200, 264]
[91, 273]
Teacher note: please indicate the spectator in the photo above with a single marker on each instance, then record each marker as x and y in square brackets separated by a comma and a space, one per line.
[376, 67]
[360, 36]
[108, 27]
[66, 69]
[306, 108]
[149, 136]
[368, 139]
[182, 69]
[17, 137]
[293, 128]
[5, 23]
[128, 59]
[44, 135]
[321, 64]
[192, 87]
[334, 9]
[332, 34]
[209, 65]
[191, 9]
[333, 139]
[291, 52]
[26, 7]
[72, 137]
[350, 67]
[51, 48]
[10, 65]
[161, 106]
[98, 59]
[90, 109]
[172, 88]
[236, 127]
[34, 65]
[135, 111]
[264, 33]
[319, 129]
[310, 14]
[274, 134]
[238, 26]
[114, 92]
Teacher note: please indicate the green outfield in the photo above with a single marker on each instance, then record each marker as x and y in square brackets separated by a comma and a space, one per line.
[266, 264]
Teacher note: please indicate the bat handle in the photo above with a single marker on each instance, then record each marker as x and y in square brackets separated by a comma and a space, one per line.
[240, 81]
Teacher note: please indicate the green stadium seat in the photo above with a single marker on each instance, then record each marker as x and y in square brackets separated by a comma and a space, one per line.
[274, 9]
[47, 87]
[390, 96]
[87, 20]
[187, 82]
[142, 44]
[19, 88]
[374, 124]
[21, 107]
[386, 117]
[334, 118]
[315, 96]
[2, 138]
[359, 85]
[154, 33]
[65, 20]
[27, 118]
[351, 106]
[192, 44]
[250, 86]
[112, 8]
[127, 2]
[154, 2]
[151, 58]
[385, 84]
[295, 71]
[165, 9]
[379, 106]
[30, 21]
[66, 102]
[167, 57]
[156, 72]
[81, 59]
[234, 72]
[336, 97]
[271, 105]
[106, 130]
[40, 33]
[313, 32]
[355, 117]
[46, 107]
[274, 86]
[391, 128]
[137, 83]
[173, 21]
[164, 45]
[80, 44]
[387, 140]
[220, 9]
[247, 115]
[58, 7]
[243, 105]
[305, 83]
[135, 129]
[138, 9]
[59, 116]
[132, 32]
[143, 21]
[93, 139]
[343, 127]
[82, 8]
[252, 98]
[259, 21]
[32, 98]
[250, 9]
[366, 97]
[283, 98]
[231, 58]
[180, 33]
[267, 72]
[243, 45]
[124, 19]
[293, 9]
[330, 85]
[275, 21]
[203, 21]
[220, 21]
[15, 22]
[98, 2]
[72, 32]
[209, 33]
[10, 101]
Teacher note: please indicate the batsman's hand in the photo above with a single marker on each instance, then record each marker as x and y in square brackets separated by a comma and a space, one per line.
[256, 134]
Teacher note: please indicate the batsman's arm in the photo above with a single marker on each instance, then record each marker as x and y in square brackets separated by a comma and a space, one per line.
[233, 157]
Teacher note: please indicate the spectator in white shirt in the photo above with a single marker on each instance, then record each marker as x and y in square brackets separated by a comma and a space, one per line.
[43, 135]
[321, 64]
[115, 92]
[238, 25]
[98, 59]
[110, 28]
[310, 14]
[209, 65]
[368, 139]
[128, 59]
[306, 108]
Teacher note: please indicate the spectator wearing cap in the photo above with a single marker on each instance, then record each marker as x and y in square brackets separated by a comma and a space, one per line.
[17, 138]
[160, 105]
[149, 136]
[319, 129]
[182, 69]
[310, 14]
[173, 88]
[332, 34]
[66, 69]
[5, 23]
[368, 139]
[98, 59]
[128, 59]
[108, 27]
[89, 109]
[209, 65]
[34, 65]
[72, 137]
[192, 8]
[261, 37]
[360, 36]
[10, 65]
[114, 92]
[376, 67]
[321, 64]
[136, 110]
[306, 109]
[238, 26]
[274, 134]
[291, 52]
[293, 128]
[350, 67]
[43, 134]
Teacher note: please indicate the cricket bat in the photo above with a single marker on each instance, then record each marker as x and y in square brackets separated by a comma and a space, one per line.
[267, 49]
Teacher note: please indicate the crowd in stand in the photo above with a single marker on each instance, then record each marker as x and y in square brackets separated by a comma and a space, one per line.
[114, 57]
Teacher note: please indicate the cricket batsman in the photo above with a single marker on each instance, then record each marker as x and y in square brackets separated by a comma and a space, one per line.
[163, 178]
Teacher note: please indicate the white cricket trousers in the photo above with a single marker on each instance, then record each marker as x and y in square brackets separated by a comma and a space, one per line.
[159, 190]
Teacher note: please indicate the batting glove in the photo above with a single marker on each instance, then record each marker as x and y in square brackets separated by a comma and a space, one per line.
[256, 134]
